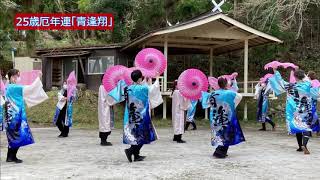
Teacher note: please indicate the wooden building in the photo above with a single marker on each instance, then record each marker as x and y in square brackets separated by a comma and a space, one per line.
[210, 34]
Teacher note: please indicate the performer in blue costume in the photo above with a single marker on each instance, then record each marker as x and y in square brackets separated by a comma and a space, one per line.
[226, 130]
[140, 98]
[312, 76]
[1, 102]
[190, 115]
[299, 114]
[262, 94]
[17, 128]
[63, 114]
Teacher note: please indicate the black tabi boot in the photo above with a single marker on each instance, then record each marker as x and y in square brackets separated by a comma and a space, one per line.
[175, 137]
[299, 140]
[187, 126]
[105, 143]
[104, 136]
[263, 127]
[9, 155]
[180, 139]
[305, 142]
[137, 157]
[194, 126]
[136, 154]
[12, 156]
[129, 154]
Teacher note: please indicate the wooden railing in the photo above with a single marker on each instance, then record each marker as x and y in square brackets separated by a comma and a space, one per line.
[250, 93]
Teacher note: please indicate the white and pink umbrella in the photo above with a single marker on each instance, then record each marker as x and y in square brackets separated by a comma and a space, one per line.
[113, 75]
[151, 62]
[71, 84]
[28, 77]
[191, 83]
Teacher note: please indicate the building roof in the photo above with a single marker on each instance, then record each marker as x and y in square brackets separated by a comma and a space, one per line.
[78, 49]
[65, 53]
[211, 30]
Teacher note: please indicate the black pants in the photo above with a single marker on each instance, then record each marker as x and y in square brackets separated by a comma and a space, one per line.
[221, 151]
[12, 153]
[303, 138]
[135, 149]
[61, 122]
[63, 128]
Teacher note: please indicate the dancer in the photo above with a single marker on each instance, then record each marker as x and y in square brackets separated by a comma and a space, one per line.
[61, 109]
[190, 115]
[312, 76]
[17, 128]
[179, 105]
[63, 115]
[226, 130]
[105, 115]
[262, 94]
[299, 115]
[140, 98]
[2, 101]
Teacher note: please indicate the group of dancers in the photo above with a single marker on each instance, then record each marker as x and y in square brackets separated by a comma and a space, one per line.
[144, 95]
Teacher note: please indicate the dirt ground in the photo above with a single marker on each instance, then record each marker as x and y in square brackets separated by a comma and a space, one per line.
[265, 155]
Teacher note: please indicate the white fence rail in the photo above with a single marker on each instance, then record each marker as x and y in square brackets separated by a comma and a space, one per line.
[250, 93]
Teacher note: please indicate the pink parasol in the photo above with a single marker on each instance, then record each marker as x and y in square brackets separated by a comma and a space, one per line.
[191, 83]
[272, 64]
[315, 83]
[71, 83]
[265, 77]
[2, 87]
[291, 65]
[213, 83]
[28, 77]
[113, 75]
[151, 62]
[127, 76]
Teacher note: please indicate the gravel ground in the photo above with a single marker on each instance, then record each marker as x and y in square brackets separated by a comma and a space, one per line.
[265, 155]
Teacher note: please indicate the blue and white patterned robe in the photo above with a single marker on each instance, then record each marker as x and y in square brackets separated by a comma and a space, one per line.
[226, 130]
[262, 94]
[138, 128]
[299, 109]
[17, 128]
[61, 103]
[192, 111]
[1, 111]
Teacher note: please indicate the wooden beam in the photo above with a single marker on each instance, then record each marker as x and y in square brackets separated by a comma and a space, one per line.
[234, 41]
[191, 41]
[180, 46]
[82, 69]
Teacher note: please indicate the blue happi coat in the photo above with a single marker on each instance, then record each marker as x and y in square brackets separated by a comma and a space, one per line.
[192, 111]
[263, 103]
[137, 126]
[226, 130]
[299, 109]
[69, 109]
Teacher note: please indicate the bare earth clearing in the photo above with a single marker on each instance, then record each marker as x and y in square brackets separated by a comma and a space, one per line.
[265, 155]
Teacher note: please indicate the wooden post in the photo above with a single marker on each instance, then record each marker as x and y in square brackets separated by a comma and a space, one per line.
[246, 52]
[164, 115]
[210, 74]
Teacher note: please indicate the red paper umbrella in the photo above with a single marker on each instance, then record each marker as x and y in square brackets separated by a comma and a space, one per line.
[191, 83]
[151, 62]
[113, 75]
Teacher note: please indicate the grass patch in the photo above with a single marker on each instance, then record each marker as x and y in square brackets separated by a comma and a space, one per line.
[85, 113]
